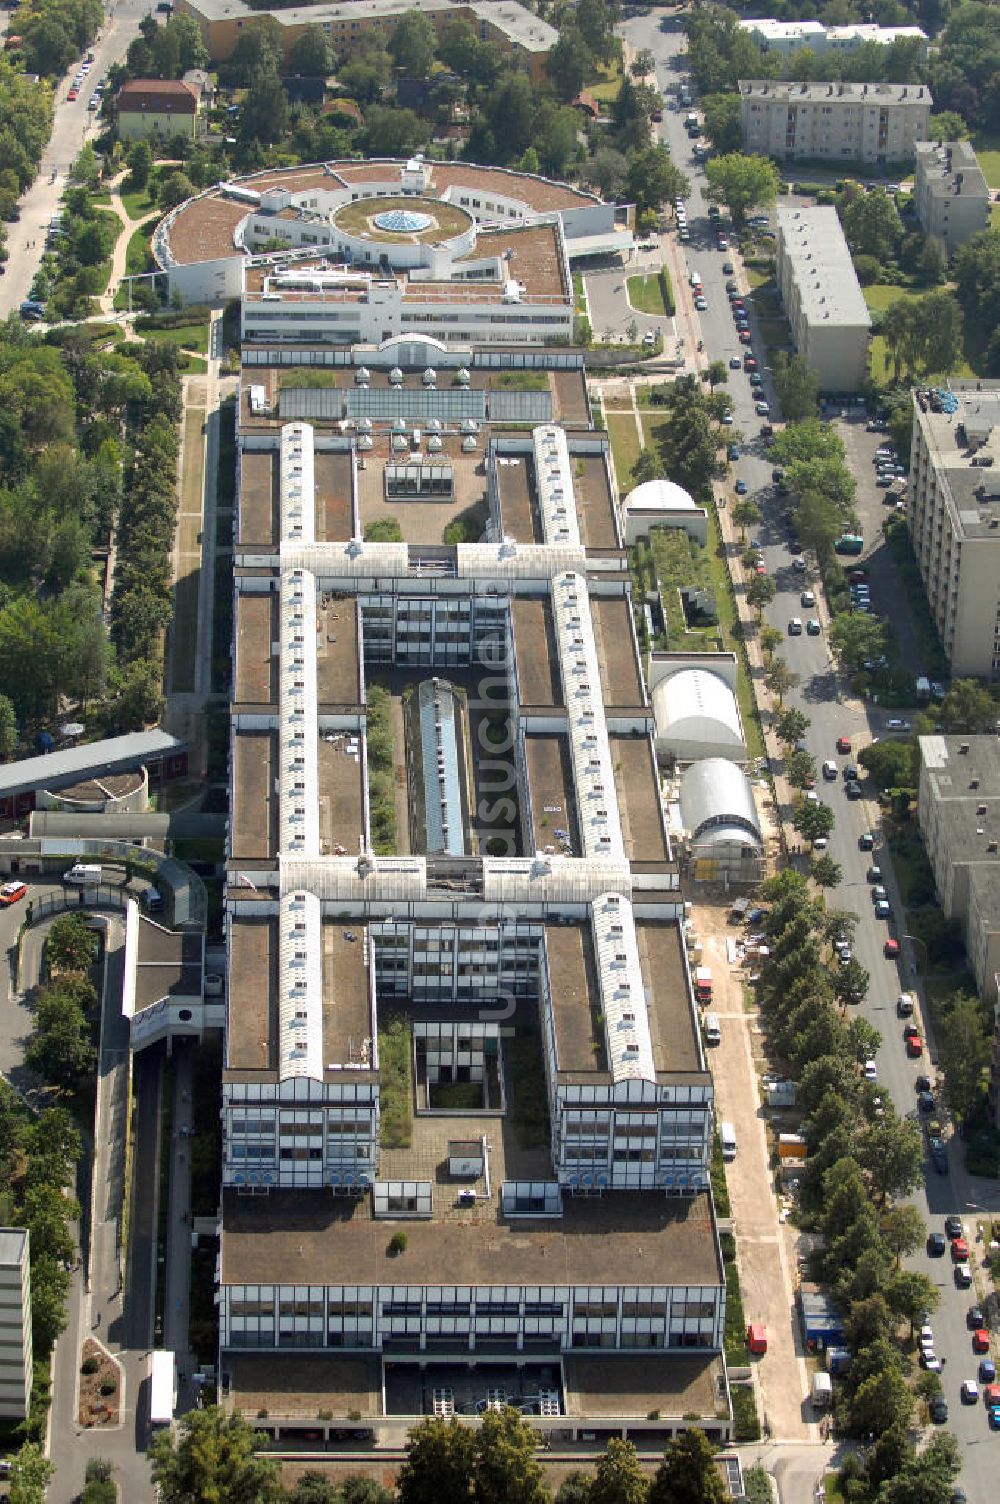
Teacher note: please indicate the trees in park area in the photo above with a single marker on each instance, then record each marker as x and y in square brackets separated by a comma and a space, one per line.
[691, 439]
[742, 183]
[924, 335]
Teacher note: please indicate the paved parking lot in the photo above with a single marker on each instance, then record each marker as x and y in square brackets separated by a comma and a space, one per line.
[889, 599]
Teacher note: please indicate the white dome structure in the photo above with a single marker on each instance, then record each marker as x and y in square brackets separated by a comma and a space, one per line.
[658, 496]
[662, 503]
[720, 820]
[696, 717]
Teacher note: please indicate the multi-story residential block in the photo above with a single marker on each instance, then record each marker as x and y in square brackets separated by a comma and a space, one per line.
[467, 1115]
[951, 195]
[788, 37]
[877, 123]
[959, 813]
[826, 308]
[954, 494]
[15, 1323]
[512, 28]
[157, 107]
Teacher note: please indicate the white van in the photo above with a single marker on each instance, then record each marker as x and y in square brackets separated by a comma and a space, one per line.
[694, 278]
[87, 874]
[713, 1033]
[727, 1136]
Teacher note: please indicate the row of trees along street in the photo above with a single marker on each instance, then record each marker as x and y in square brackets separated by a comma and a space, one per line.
[861, 1156]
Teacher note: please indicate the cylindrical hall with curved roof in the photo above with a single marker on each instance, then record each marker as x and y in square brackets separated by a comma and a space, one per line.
[662, 503]
[697, 717]
[720, 821]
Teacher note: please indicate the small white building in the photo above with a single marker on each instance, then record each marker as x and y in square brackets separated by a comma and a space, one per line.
[662, 503]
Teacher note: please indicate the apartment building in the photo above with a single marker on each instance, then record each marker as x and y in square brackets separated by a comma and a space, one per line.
[788, 37]
[951, 194]
[826, 309]
[511, 27]
[954, 495]
[15, 1323]
[838, 122]
[467, 1114]
[959, 813]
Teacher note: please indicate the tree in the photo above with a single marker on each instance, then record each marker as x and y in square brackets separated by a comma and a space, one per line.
[892, 1152]
[574, 1489]
[778, 677]
[648, 466]
[8, 729]
[800, 768]
[856, 638]
[30, 1474]
[608, 171]
[618, 1478]
[963, 1051]
[569, 63]
[722, 121]
[770, 639]
[903, 1229]
[413, 43]
[927, 1478]
[742, 183]
[872, 225]
[310, 54]
[851, 982]
[139, 158]
[792, 726]
[797, 386]
[174, 188]
[264, 113]
[438, 1464]
[745, 513]
[892, 764]
[643, 63]
[813, 821]
[506, 1466]
[59, 1050]
[70, 945]
[826, 872]
[687, 1474]
[214, 1456]
[760, 593]
[314, 1488]
[909, 1293]
[390, 132]
[654, 179]
[716, 374]
[967, 709]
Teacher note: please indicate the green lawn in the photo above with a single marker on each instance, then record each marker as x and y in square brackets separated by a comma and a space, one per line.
[606, 82]
[646, 295]
[880, 294]
[987, 148]
[624, 447]
[186, 336]
[138, 257]
[138, 205]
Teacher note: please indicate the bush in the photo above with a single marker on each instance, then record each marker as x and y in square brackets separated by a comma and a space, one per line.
[108, 1387]
[397, 1243]
[745, 1423]
[90, 1365]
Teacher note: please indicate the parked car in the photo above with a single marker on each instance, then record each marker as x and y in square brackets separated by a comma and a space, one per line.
[937, 1243]
[891, 950]
[11, 893]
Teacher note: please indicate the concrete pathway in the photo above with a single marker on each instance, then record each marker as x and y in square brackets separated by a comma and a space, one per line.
[119, 258]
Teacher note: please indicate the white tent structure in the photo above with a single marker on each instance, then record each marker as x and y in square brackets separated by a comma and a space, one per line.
[662, 503]
[723, 833]
[697, 716]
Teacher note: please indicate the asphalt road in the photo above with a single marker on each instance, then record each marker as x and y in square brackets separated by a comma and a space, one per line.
[610, 310]
[72, 124]
[820, 696]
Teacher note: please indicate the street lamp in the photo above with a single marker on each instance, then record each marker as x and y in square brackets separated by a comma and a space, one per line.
[916, 940]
